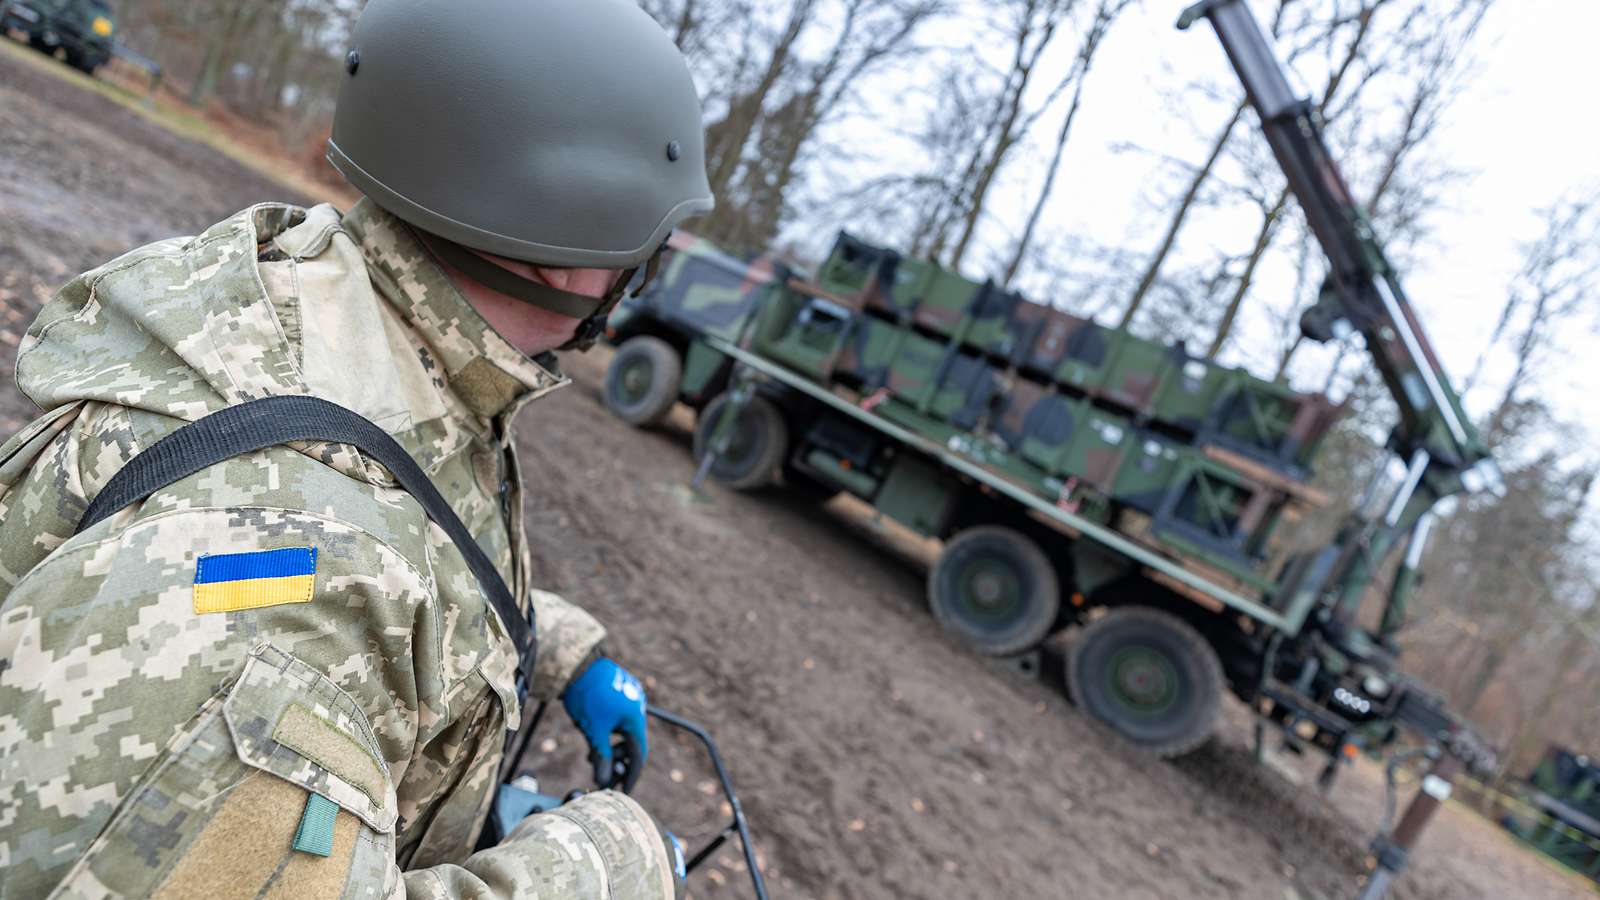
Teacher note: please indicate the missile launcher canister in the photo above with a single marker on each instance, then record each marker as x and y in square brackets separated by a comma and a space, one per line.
[1073, 411]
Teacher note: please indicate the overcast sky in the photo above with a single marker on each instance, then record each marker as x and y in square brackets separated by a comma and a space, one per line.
[1525, 130]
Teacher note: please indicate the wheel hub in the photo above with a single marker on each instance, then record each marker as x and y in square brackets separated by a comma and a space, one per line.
[1143, 679]
[986, 588]
[992, 591]
[636, 379]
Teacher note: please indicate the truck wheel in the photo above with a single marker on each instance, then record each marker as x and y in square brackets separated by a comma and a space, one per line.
[995, 589]
[760, 440]
[1150, 676]
[643, 379]
[83, 62]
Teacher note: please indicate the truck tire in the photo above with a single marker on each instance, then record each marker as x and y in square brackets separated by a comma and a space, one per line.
[760, 441]
[995, 589]
[83, 62]
[643, 379]
[1150, 676]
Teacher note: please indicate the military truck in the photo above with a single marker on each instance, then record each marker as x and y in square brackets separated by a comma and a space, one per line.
[81, 29]
[1562, 816]
[1148, 502]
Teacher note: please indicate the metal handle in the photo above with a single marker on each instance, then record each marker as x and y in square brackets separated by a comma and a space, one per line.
[737, 826]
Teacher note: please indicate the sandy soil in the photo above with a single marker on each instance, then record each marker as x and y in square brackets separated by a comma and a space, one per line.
[874, 757]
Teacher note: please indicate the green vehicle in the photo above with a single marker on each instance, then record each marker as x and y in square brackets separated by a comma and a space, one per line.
[82, 29]
[1145, 505]
[1562, 819]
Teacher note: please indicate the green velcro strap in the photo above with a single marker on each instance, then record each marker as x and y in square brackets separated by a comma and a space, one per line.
[315, 834]
[320, 741]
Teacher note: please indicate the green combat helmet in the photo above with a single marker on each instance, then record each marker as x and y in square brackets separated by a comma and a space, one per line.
[557, 132]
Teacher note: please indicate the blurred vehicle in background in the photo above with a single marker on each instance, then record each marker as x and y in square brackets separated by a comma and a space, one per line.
[82, 29]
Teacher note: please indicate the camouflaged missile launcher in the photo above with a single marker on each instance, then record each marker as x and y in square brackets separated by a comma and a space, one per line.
[1149, 382]
[1056, 403]
[1094, 418]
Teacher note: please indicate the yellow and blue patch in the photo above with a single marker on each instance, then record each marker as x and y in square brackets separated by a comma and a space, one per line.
[227, 582]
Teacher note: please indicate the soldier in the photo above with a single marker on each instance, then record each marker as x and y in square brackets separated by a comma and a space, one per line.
[278, 677]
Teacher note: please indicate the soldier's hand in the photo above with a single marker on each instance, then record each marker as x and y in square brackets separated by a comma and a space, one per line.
[606, 700]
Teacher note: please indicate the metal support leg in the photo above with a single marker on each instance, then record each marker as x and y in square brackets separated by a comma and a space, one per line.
[1393, 850]
[744, 390]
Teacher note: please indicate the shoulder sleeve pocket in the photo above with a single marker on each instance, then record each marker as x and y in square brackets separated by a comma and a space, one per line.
[287, 718]
[276, 788]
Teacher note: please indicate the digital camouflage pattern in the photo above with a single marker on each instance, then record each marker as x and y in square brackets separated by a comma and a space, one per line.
[146, 749]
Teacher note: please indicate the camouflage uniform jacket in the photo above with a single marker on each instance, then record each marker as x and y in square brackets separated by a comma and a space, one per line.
[180, 731]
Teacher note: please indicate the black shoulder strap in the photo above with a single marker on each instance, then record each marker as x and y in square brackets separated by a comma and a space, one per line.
[263, 423]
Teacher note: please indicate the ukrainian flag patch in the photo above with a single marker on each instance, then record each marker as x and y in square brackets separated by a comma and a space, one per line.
[227, 582]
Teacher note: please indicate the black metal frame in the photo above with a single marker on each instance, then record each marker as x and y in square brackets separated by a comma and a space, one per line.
[737, 825]
[625, 778]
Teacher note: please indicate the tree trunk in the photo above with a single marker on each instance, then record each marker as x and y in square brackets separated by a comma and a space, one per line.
[1269, 227]
[1168, 239]
[1103, 17]
[733, 132]
[685, 24]
[1022, 65]
[938, 226]
[221, 48]
[1496, 653]
[980, 192]
[1287, 357]
[1021, 250]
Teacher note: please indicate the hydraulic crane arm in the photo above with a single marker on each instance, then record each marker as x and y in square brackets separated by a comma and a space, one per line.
[1362, 292]
[1443, 452]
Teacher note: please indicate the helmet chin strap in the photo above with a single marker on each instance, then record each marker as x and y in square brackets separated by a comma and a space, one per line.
[594, 325]
[591, 311]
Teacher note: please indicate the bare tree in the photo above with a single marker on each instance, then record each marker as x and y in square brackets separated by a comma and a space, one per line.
[1033, 27]
[953, 140]
[1506, 563]
[1191, 193]
[1105, 13]
[708, 31]
[870, 33]
[727, 138]
[1575, 637]
[1180, 213]
[1555, 287]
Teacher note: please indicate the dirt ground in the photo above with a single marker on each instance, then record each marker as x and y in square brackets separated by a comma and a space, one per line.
[874, 757]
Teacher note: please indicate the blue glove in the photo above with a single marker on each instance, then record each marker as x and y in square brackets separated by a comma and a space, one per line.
[605, 700]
